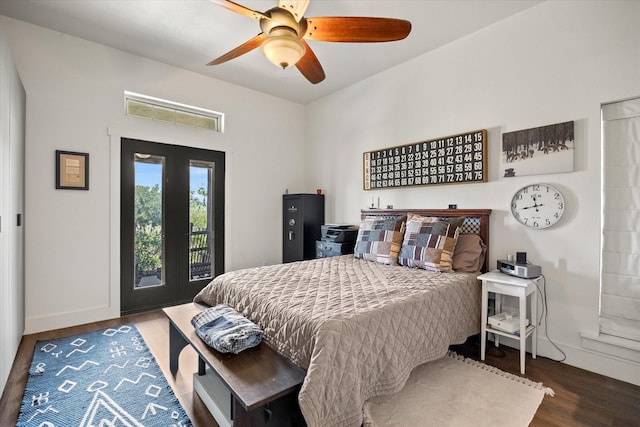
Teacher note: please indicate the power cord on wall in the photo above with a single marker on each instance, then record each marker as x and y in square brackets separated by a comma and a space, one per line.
[545, 312]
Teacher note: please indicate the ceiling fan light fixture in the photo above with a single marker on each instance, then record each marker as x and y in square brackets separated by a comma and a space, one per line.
[285, 32]
[283, 48]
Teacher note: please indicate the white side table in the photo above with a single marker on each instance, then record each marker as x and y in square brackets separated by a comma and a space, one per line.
[503, 284]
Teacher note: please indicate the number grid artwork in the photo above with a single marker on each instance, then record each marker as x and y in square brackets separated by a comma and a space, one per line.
[453, 159]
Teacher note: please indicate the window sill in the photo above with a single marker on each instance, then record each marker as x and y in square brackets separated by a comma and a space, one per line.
[613, 346]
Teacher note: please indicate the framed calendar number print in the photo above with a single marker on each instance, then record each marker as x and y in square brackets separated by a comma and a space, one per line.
[452, 159]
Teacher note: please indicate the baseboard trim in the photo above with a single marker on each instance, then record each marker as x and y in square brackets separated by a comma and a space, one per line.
[64, 320]
[618, 368]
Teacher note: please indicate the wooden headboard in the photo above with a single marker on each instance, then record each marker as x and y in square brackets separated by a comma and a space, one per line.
[476, 222]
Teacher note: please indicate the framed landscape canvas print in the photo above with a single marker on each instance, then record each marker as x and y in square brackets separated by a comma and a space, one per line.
[536, 151]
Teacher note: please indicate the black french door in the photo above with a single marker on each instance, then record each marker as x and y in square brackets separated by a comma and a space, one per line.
[171, 223]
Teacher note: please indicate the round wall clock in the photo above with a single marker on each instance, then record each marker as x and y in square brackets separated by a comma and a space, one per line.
[538, 205]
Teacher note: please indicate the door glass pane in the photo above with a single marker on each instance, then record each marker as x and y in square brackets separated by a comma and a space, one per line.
[200, 219]
[149, 220]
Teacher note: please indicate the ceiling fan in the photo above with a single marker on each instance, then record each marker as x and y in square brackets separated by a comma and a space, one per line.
[285, 31]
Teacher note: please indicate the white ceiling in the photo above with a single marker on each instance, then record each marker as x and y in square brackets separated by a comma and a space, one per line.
[190, 33]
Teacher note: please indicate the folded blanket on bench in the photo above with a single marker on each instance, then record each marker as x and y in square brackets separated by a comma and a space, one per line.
[226, 330]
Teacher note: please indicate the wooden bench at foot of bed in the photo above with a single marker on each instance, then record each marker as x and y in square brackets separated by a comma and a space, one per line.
[257, 387]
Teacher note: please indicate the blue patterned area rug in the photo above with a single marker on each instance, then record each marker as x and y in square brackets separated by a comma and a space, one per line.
[101, 378]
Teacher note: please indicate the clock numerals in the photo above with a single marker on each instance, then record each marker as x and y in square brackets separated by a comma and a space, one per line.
[538, 205]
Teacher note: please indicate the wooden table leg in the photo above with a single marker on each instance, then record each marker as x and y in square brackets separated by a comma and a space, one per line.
[202, 367]
[523, 328]
[483, 324]
[176, 343]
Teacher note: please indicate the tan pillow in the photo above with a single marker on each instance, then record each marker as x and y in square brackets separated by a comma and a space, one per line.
[469, 253]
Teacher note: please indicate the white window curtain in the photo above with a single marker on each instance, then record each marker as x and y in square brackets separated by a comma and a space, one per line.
[620, 276]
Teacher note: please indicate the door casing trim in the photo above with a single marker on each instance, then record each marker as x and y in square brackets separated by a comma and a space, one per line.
[115, 135]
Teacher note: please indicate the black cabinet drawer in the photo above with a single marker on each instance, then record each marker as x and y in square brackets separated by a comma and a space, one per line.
[329, 249]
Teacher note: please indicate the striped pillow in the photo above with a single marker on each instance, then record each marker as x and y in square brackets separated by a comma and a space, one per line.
[379, 239]
[429, 242]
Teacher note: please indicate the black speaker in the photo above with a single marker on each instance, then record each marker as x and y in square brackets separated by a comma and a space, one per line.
[521, 257]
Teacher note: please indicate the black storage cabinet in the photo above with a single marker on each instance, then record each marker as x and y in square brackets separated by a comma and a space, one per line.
[303, 216]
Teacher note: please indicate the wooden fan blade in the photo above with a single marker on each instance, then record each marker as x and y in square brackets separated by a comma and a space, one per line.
[354, 29]
[296, 7]
[238, 8]
[309, 65]
[245, 47]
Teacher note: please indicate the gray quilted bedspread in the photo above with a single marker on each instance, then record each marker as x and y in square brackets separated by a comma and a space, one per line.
[357, 327]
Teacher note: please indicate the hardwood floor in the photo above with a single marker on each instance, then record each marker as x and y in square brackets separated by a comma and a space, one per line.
[581, 398]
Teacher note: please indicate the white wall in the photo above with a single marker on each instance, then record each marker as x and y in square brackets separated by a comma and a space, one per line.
[552, 63]
[75, 102]
[12, 129]
[555, 62]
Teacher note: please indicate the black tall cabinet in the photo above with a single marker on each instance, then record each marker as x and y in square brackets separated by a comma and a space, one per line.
[303, 216]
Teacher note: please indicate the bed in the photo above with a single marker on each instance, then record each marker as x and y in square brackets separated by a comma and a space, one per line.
[359, 324]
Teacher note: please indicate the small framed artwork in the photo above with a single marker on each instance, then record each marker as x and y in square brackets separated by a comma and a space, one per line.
[72, 170]
[536, 151]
